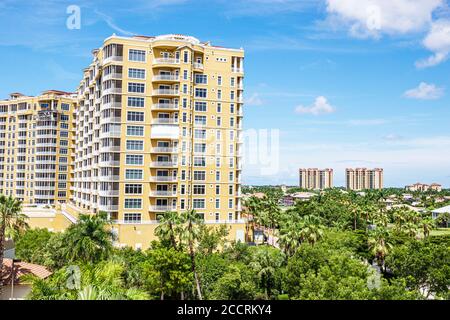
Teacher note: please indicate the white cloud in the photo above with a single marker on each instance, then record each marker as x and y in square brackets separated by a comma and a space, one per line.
[425, 91]
[374, 18]
[371, 18]
[320, 106]
[254, 100]
[437, 41]
[367, 122]
[110, 22]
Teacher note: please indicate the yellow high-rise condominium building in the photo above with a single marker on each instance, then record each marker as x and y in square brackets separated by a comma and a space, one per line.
[158, 129]
[364, 179]
[316, 179]
[36, 141]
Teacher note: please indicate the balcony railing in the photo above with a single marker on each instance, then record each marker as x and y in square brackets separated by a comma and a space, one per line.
[108, 207]
[113, 58]
[166, 61]
[164, 179]
[166, 77]
[237, 70]
[164, 164]
[165, 92]
[160, 193]
[114, 104]
[162, 208]
[165, 121]
[108, 193]
[112, 75]
[111, 90]
[164, 150]
[165, 106]
[198, 65]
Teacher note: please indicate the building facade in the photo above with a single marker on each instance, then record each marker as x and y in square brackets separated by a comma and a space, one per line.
[36, 147]
[424, 187]
[158, 129]
[364, 179]
[316, 179]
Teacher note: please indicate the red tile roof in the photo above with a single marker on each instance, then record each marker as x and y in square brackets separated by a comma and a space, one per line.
[20, 269]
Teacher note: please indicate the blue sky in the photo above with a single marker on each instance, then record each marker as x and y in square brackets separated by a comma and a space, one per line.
[346, 82]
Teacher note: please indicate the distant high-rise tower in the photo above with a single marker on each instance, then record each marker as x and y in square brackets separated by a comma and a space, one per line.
[316, 179]
[363, 178]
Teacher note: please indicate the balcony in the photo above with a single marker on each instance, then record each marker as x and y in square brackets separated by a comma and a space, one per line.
[162, 208]
[165, 92]
[112, 75]
[160, 193]
[166, 77]
[113, 59]
[164, 164]
[108, 193]
[237, 70]
[198, 65]
[163, 179]
[165, 106]
[165, 121]
[108, 207]
[111, 105]
[112, 178]
[110, 134]
[112, 119]
[166, 61]
[164, 150]
[109, 163]
[44, 196]
[111, 91]
[110, 149]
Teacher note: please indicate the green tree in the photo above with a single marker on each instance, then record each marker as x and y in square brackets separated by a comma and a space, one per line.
[237, 283]
[12, 223]
[167, 272]
[167, 230]
[265, 262]
[89, 240]
[31, 246]
[378, 244]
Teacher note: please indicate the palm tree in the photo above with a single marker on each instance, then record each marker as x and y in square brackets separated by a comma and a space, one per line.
[379, 245]
[290, 238]
[312, 229]
[12, 222]
[427, 225]
[191, 234]
[265, 263]
[167, 228]
[88, 240]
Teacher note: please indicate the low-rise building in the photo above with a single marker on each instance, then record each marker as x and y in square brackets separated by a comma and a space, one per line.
[423, 187]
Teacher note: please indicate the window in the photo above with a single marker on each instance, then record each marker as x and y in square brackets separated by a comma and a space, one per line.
[137, 131]
[230, 190]
[230, 216]
[64, 117]
[185, 75]
[136, 102]
[199, 189]
[133, 203]
[231, 176]
[219, 80]
[232, 82]
[199, 161]
[136, 73]
[134, 174]
[133, 188]
[135, 145]
[64, 134]
[201, 79]
[200, 120]
[185, 56]
[135, 116]
[65, 106]
[134, 159]
[185, 88]
[200, 93]
[232, 108]
[132, 218]
[200, 106]
[231, 122]
[219, 121]
[200, 147]
[218, 189]
[217, 216]
[231, 162]
[184, 103]
[218, 162]
[219, 94]
[199, 175]
[230, 204]
[136, 55]
[136, 87]
[199, 203]
[217, 203]
[219, 107]
[200, 133]
[217, 175]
